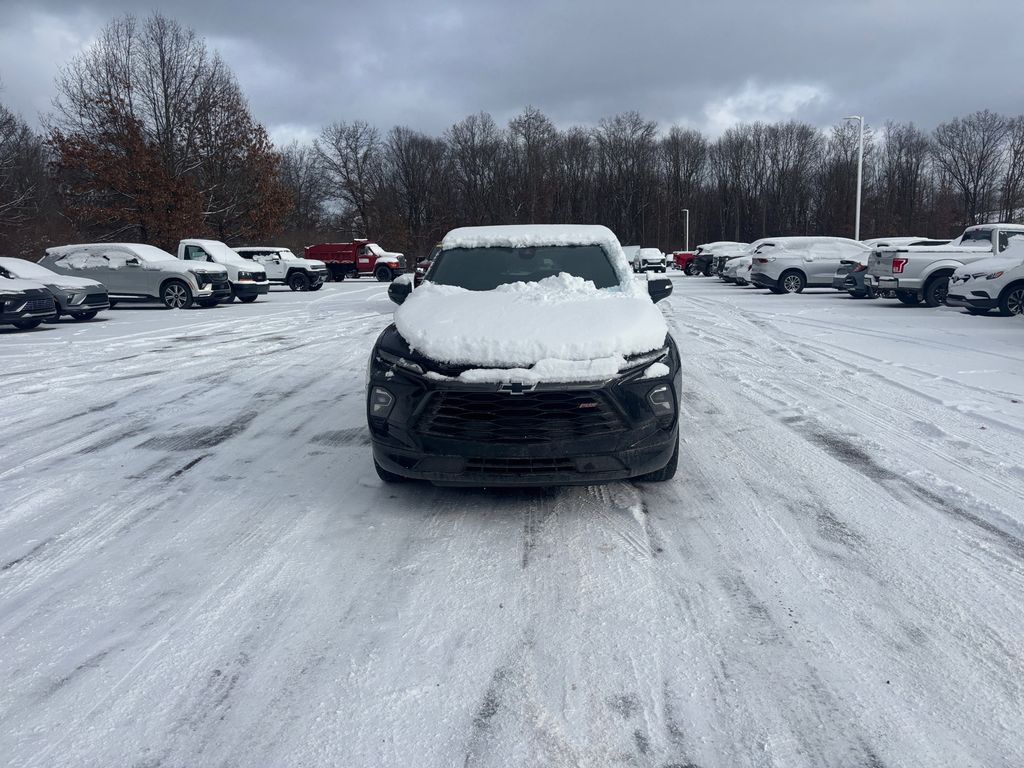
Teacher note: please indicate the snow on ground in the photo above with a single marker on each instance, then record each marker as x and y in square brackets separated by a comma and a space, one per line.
[198, 565]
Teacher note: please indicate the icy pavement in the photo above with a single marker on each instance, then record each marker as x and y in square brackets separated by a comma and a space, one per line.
[199, 567]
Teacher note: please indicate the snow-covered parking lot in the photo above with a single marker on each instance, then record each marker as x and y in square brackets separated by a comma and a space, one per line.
[199, 566]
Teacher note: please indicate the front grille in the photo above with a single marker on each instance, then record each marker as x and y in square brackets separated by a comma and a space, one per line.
[220, 284]
[40, 304]
[95, 298]
[533, 417]
[519, 467]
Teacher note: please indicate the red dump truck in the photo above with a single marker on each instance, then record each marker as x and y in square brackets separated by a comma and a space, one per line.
[360, 257]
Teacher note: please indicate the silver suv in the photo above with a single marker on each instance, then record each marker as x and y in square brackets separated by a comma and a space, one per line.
[136, 272]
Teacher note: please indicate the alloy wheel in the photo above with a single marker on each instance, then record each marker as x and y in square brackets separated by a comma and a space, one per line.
[1015, 301]
[791, 283]
[175, 297]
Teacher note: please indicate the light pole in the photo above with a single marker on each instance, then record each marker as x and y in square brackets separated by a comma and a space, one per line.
[860, 166]
[686, 246]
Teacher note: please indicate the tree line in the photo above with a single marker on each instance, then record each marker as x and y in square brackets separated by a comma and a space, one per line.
[151, 140]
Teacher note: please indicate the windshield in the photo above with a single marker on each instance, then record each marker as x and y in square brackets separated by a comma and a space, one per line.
[484, 269]
[25, 269]
[151, 253]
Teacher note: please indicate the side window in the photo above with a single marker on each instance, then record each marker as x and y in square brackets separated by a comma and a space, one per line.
[365, 251]
[246, 255]
[195, 253]
[115, 259]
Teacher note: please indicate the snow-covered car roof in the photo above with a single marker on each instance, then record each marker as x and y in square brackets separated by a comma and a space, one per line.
[531, 235]
[145, 252]
[797, 242]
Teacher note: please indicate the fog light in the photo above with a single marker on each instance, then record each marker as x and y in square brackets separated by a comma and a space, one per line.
[660, 399]
[381, 402]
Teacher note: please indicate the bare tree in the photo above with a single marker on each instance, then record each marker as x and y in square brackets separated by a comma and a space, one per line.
[970, 150]
[352, 157]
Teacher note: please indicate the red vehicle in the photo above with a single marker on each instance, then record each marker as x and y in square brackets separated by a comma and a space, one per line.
[360, 257]
[684, 261]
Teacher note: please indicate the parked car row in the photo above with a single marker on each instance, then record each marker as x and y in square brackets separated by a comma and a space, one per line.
[81, 280]
[982, 270]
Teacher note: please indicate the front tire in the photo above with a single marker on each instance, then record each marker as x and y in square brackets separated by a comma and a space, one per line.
[792, 282]
[935, 291]
[85, 315]
[298, 281]
[209, 302]
[175, 295]
[383, 275]
[28, 325]
[690, 269]
[316, 287]
[247, 299]
[665, 473]
[1011, 300]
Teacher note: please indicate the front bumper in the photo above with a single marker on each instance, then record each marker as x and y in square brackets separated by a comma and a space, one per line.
[28, 307]
[246, 290]
[971, 301]
[451, 433]
[540, 465]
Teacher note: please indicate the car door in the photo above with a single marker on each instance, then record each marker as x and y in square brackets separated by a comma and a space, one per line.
[271, 262]
[119, 277]
[822, 264]
[365, 259]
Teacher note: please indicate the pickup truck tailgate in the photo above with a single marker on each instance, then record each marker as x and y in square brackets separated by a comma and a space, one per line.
[880, 262]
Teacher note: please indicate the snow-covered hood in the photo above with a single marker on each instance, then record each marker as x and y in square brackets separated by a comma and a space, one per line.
[12, 285]
[70, 283]
[560, 327]
[740, 262]
[983, 267]
[312, 263]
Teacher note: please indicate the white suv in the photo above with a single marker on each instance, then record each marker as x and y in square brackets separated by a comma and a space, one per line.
[790, 264]
[283, 266]
[649, 259]
[995, 282]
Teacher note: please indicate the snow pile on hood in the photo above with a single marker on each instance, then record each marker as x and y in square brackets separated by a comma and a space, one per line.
[560, 326]
[8, 284]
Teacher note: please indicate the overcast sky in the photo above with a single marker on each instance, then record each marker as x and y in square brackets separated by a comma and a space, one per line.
[707, 64]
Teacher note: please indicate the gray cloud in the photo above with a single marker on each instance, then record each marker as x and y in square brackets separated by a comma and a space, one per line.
[705, 64]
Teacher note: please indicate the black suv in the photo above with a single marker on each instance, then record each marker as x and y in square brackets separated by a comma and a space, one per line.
[427, 421]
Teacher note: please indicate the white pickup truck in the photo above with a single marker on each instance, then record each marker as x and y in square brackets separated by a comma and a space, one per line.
[922, 273]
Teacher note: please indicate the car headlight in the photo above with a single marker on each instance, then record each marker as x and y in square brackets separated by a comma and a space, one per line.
[245, 276]
[993, 275]
[9, 301]
[660, 398]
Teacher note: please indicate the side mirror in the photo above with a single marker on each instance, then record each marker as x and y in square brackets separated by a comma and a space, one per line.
[659, 289]
[400, 288]
[132, 262]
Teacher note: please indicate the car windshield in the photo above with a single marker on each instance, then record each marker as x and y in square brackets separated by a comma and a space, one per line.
[150, 253]
[484, 269]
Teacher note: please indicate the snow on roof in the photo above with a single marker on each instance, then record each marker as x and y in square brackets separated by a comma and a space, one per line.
[528, 235]
[150, 252]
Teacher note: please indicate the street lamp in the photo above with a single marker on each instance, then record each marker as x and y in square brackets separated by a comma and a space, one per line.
[686, 246]
[860, 165]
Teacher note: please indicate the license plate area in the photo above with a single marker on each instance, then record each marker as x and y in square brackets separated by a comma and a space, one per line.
[888, 282]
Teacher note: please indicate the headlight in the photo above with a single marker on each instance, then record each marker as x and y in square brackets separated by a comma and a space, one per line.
[993, 275]
[660, 398]
[245, 276]
[10, 301]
